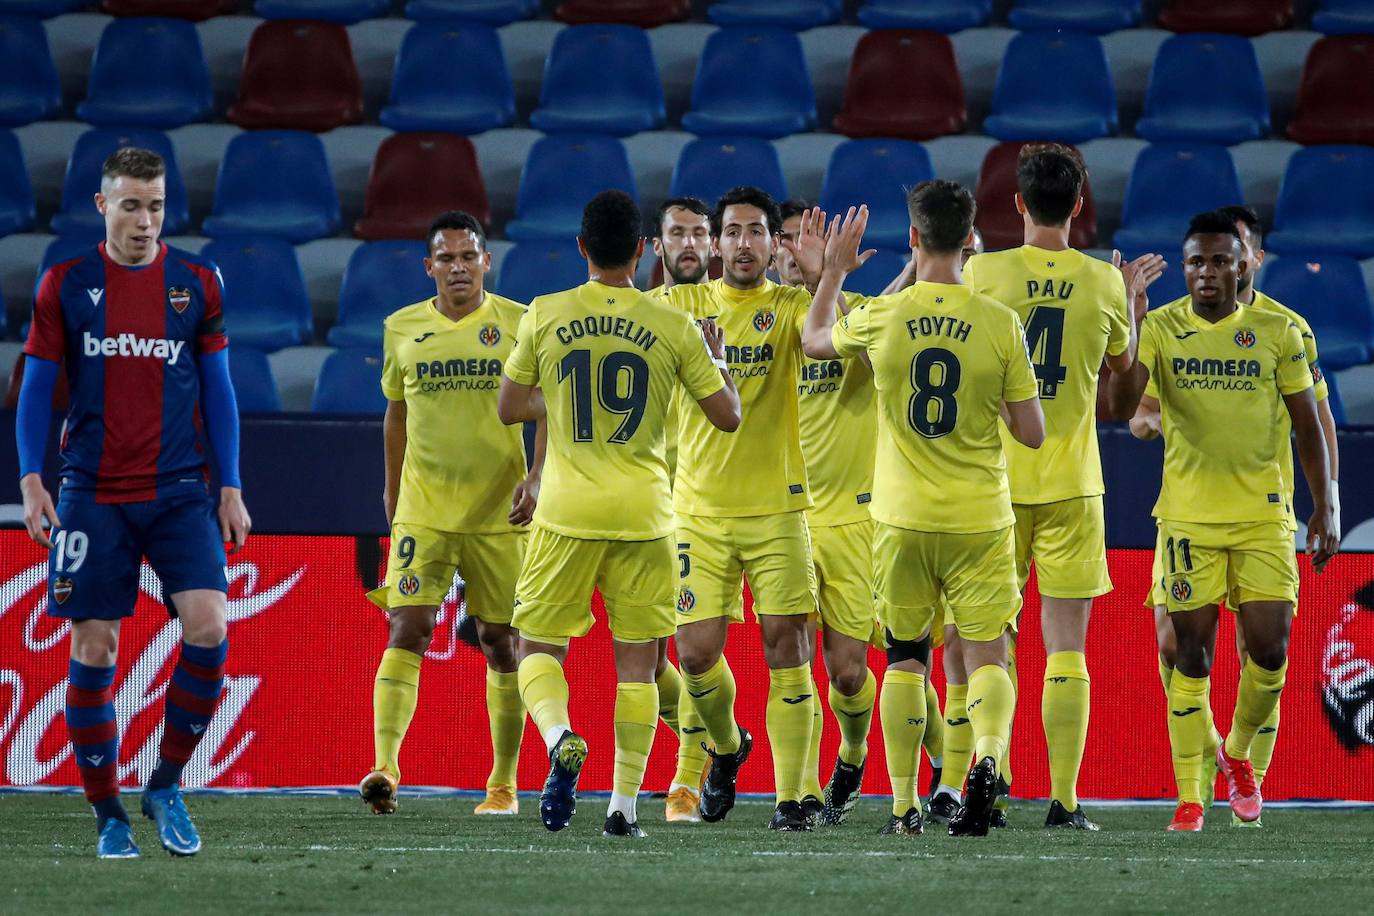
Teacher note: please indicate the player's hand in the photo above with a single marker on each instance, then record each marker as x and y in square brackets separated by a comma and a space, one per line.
[714, 337]
[234, 523]
[1139, 274]
[1322, 538]
[842, 242]
[523, 502]
[808, 250]
[1146, 426]
[37, 507]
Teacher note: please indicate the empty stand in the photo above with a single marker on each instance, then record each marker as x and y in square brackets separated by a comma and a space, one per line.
[255, 388]
[29, 88]
[877, 173]
[427, 95]
[1344, 17]
[1169, 183]
[1097, 16]
[275, 182]
[709, 167]
[600, 79]
[1334, 400]
[60, 249]
[751, 82]
[190, 10]
[381, 277]
[936, 15]
[872, 278]
[350, 382]
[563, 172]
[1326, 202]
[265, 303]
[298, 75]
[78, 215]
[1233, 17]
[491, 12]
[17, 210]
[537, 268]
[1330, 292]
[797, 15]
[1001, 225]
[1205, 89]
[148, 73]
[1336, 96]
[41, 8]
[343, 11]
[1082, 105]
[903, 83]
[646, 14]
[414, 178]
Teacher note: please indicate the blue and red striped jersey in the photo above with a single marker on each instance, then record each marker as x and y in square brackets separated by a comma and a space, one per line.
[130, 337]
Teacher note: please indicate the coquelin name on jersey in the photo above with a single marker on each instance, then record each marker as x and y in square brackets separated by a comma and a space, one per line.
[606, 326]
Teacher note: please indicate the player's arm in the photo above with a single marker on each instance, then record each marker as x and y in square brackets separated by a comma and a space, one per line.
[520, 400]
[1026, 420]
[903, 279]
[809, 252]
[722, 406]
[526, 495]
[1323, 540]
[842, 256]
[221, 411]
[393, 453]
[31, 436]
[1127, 382]
[1328, 422]
[1146, 423]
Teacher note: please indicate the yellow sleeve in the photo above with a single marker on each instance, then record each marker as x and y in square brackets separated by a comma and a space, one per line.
[1320, 390]
[393, 376]
[970, 274]
[1118, 317]
[1293, 372]
[849, 336]
[695, 370]
[1146, 355]
[522, 367]
[1019, 384]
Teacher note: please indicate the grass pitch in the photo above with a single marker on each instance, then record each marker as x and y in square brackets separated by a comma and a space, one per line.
[328, 855]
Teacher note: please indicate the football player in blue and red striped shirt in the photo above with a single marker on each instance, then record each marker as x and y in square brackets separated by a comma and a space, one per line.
[140, 330]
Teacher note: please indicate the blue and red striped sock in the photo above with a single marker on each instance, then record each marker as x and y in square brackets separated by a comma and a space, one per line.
[191, 700]
[94, 734]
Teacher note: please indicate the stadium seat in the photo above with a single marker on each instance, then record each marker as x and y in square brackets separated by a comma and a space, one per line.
[1168, 184]
[709, 167]
[877, 173]
[1001, 225]
[933, 15]
[265, 303]
[381, 277]
[255, 389]
[78, 215]
[44, 9]
[1334, 400]
[1344, 17]
[537, 268]
[346, 12]
[600, 79]
[60, 249]
[646, 14]
[1233, 108]
[878, 271]
[424, 94]
[29, 87]
[1082, 105]
[1326, 202]
[350, 382]
[17, 208]
[751, 82]
[298, 76]
[1096, 16]
[190, 10]
[905, 84]
[1336, 96]
[797, 15]
[1231, 17]
[275, 182]
[147, 73]
[563, 172]
[399, 206]
[489, 12]
[1330, 292]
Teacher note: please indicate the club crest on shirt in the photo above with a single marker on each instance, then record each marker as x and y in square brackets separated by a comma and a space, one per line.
[489, 335]
[61, 590]
[685, 600]
[763, 320]
[409, 584]
[179, 297]
[1181, 590]
[1245, 338]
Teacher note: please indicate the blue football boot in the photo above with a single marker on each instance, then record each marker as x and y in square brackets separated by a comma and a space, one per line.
[116, 841]
[174, 828]
[558, 801]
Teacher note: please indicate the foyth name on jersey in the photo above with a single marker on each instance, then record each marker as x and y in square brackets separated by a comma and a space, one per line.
[128, 344]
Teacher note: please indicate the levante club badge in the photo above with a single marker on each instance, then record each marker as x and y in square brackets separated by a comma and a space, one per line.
[179, 297]
[61, 590]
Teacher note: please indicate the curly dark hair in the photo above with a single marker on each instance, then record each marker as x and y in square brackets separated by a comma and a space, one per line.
[610, 229]
[750, 196]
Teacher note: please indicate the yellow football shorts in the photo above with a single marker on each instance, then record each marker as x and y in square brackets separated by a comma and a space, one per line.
[1067, 540]
[773, 551]
[1199, 563]
[553, 596]
[974, 573]
[843, 556]
[419, 571]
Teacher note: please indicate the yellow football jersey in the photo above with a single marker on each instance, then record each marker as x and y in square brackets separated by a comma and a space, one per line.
[1217, 385]
[944, 359]
[757, 470]
[461, 463]
[837, 404]
[1074, 310]
[608, 359]
[670, 423]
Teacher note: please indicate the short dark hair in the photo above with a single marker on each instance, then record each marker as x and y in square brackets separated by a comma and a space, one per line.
[690, 204]
[1212, 222]
[133, 162]
[942, 212]
[458, 221]
[752, 197]
[1240, 213]
[794, 206]
[1050, 177]
[610, 229]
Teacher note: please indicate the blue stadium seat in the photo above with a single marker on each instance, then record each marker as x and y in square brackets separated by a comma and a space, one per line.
[1344, 17]
[344, 11]
[1234, 107]
[774, 100]
[275, 182]
[58, 250]
[148, 73]
[931, 15]
[381, 277]
[562, 173]
[78, 215]
[1326, 202]
[44, 9]
[1082, 105]
[491, 12]
[537, 268]
[878, 271]
[1096, 16]
[255, 388]
[29, 88]
[797, 15]
[1330, 292]
[1334, 400]
[877, 173]
[600, 79]
[265, 303]
[1169, 183]
[423, 95]
[17, 209]
[709, 167]
[350, 382]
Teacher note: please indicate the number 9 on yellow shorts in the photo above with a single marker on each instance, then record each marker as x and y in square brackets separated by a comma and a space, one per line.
[420, 568]
[1232, 563]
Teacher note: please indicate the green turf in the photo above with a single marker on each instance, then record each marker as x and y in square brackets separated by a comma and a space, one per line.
[303, 854]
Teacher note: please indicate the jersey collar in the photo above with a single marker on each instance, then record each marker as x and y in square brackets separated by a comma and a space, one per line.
[1203, 324]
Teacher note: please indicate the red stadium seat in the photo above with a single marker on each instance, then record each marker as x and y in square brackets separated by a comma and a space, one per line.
[1336, 96]
[414, 178]
[646, 14]
[1231, 17]
[903, 84]
[194, 10]
[298, 75]
[1001, 225]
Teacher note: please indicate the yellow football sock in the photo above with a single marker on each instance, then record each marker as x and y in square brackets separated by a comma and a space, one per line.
[506, 715]
[934, 739]
[903, 713]
[1004, 763]
[1256, 700]
[394, 694]
[636, 715]
[1189, 699]
[1064, 711]
[691, 756]
[789, 727]
[669, 685]
[713, 696]
[958, 737]
[544, 691]
[1165, 674]
[1262, 748]
[855, 716]
[991, 704]
[811, 771]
